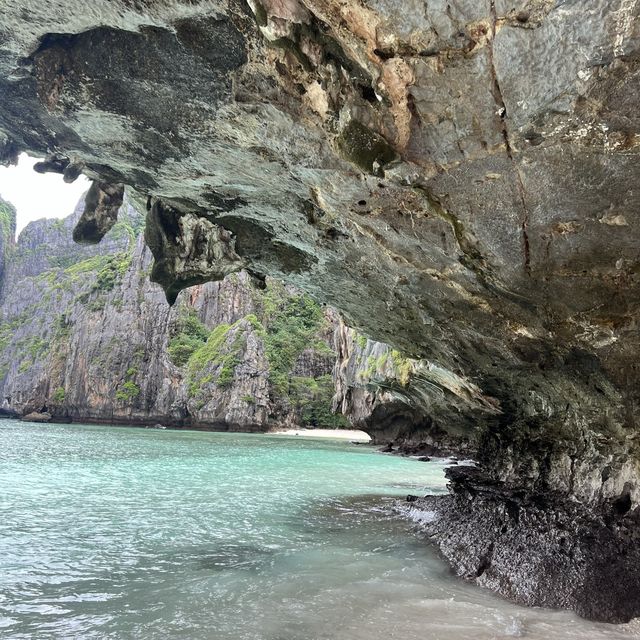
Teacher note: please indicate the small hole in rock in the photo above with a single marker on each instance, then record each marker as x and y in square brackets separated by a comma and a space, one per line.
[369, 95]
[622, 505]
[385, 55]
[483, 566]
[362, 203]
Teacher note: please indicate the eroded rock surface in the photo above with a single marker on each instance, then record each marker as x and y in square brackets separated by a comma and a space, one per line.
[457, 178]
[100, 213]
[590, 560]
[392, 397]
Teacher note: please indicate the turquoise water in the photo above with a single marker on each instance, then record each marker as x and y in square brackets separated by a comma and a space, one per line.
[122, 533]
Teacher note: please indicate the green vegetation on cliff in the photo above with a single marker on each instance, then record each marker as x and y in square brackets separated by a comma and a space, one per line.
[188, 336]
[112, 271]
[312, 398]
[292, 328]
[7, 221]
[129, 390]
[128, 227]
[403, 367]
[293, 323]
[109, 270]
[287, 324]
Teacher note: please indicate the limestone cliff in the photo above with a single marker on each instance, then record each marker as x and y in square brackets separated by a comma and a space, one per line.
[7, 234]
[390, 397]
[86, 336]
[457, 178]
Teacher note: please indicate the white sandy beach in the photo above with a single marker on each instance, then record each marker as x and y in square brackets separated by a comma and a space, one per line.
[337, 434]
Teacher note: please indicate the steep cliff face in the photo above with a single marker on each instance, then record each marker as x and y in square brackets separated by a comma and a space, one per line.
[85, 335]
[456, 178]
[390, 397]
[7, 234]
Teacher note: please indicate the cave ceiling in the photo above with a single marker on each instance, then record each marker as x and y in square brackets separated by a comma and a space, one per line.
[459, 179]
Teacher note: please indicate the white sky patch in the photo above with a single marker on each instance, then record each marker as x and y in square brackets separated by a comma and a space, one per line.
[36, 195]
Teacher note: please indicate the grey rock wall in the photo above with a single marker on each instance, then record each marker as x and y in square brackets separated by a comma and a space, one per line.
[85, 336]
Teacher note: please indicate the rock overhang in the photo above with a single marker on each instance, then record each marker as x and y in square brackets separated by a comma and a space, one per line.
[459, 182]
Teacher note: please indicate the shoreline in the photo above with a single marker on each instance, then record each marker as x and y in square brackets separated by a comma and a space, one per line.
[352, 435]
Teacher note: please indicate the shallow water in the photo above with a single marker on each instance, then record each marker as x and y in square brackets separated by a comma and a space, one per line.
[117, 533]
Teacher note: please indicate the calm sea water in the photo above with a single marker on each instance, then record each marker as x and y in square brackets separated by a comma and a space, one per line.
[117, 533]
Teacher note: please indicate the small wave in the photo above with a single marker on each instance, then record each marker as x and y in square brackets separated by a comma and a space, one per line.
[515, 629]
[632, 628]
[467, 462]
[419, 516]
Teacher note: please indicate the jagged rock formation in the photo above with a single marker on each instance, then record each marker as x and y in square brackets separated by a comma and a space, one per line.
[538, 542]
[456, 178]
[84, 335]
[100, 214]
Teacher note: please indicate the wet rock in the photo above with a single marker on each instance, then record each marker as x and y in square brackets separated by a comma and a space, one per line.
[365, 148]
[538, 550]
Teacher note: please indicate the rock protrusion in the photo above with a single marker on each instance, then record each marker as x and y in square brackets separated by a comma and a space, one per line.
[187, 249]
[102, 202]
[536, 549]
